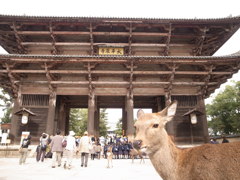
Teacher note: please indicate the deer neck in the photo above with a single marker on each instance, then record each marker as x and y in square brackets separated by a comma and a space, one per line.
[164, 158]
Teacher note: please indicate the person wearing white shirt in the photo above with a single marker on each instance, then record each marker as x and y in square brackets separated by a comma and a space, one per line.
[70, 149]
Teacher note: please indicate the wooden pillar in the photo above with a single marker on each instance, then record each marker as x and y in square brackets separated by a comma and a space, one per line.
[124, 120]
[51, 114]
[203, 118]
[96, 122]
[91, 113]
[130, 120]
[67, 116]
[62, 116]
[15, 121]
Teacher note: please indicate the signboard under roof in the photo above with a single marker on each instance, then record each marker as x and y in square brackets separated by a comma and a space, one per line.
[119, 51]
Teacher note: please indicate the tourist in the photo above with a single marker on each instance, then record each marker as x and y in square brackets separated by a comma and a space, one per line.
[42, 147]
[85, 143]
[70, 149]
[24, 149]
[214, 141]
[57, 149]
[225, 140]
[98, 150]
[93, 150]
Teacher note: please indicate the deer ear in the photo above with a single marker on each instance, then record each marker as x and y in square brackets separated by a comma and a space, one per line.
[140, 113]
[169, 111]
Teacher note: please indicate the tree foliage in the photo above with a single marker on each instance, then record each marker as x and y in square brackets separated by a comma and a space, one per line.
[224, 112]
[78, 121]
[118, 130]
[6, 103]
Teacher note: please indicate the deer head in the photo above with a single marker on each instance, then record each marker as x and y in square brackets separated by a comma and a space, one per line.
[150, 128]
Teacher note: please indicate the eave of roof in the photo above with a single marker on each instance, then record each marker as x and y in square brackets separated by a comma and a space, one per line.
[4, 56]
[235, 19]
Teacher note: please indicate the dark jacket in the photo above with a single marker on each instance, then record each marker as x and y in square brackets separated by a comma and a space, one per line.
[26, 142]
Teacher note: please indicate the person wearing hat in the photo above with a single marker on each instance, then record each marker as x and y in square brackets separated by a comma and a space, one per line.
[84, 145]
[70, 149]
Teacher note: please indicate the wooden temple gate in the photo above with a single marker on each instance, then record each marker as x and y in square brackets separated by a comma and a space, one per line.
[58, 63]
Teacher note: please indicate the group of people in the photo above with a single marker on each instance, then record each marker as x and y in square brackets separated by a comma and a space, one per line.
[214, 140]
[55, 146]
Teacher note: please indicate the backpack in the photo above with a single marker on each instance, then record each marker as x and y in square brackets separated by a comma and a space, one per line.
[64, 143]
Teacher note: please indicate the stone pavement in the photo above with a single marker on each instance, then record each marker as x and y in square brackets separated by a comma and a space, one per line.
[122, 170]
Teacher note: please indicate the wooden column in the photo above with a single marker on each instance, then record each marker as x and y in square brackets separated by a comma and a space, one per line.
[130, 120]
[62, 116]
[15, 121]
[203, 118]
[51, 114]
[91, 113]
[96, 122]
[124, 120]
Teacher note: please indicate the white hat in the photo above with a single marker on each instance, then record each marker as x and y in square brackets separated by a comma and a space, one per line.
[71, 133]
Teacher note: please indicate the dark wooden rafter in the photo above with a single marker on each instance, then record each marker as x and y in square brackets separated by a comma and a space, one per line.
[49, 78]
[99, 72]
[200, 41]
[53, 37]
[90, 83]
[216, 41]
[12, 79]
[171, 78]
[91, 38]
[166, 49]
[130, 88]
[130, 39]
[207, 80]
[18, 39]
[123, 83]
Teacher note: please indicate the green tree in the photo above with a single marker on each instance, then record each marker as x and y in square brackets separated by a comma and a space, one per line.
[224, 112]
[118, 130]
[103, 122]
[6, 103]
[78, 121]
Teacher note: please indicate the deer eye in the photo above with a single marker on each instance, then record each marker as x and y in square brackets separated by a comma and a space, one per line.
[155, 126]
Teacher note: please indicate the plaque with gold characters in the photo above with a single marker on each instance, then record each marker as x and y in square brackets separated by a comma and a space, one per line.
[111, 51]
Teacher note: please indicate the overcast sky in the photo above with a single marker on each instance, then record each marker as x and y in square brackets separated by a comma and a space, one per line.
[131, 8]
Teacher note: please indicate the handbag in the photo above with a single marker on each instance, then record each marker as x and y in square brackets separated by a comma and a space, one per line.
[64, 143]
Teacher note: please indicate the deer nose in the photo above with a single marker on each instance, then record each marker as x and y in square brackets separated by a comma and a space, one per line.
[137, 144]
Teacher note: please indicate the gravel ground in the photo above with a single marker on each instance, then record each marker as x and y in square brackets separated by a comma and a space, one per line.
[121, 170]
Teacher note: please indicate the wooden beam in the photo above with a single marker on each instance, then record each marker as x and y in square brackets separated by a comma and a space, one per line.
[117, 72]
[18, 39]
[12, 81]
[54, 51]
[117, 83]
[91, 38]
[200, 41]
[130, 40]
[105, 44]
[166, 50]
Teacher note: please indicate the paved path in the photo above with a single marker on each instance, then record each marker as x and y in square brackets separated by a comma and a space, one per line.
[32, 170]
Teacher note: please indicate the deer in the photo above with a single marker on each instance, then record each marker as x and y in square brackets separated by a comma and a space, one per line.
[134, 153]
[204, 162]
[109, 157]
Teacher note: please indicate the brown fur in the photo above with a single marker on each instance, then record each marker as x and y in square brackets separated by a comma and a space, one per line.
[134, 153]
[206, 162]
[109, 157]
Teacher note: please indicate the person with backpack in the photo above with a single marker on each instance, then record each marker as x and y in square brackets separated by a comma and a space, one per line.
[24, 149]
[42, 147]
